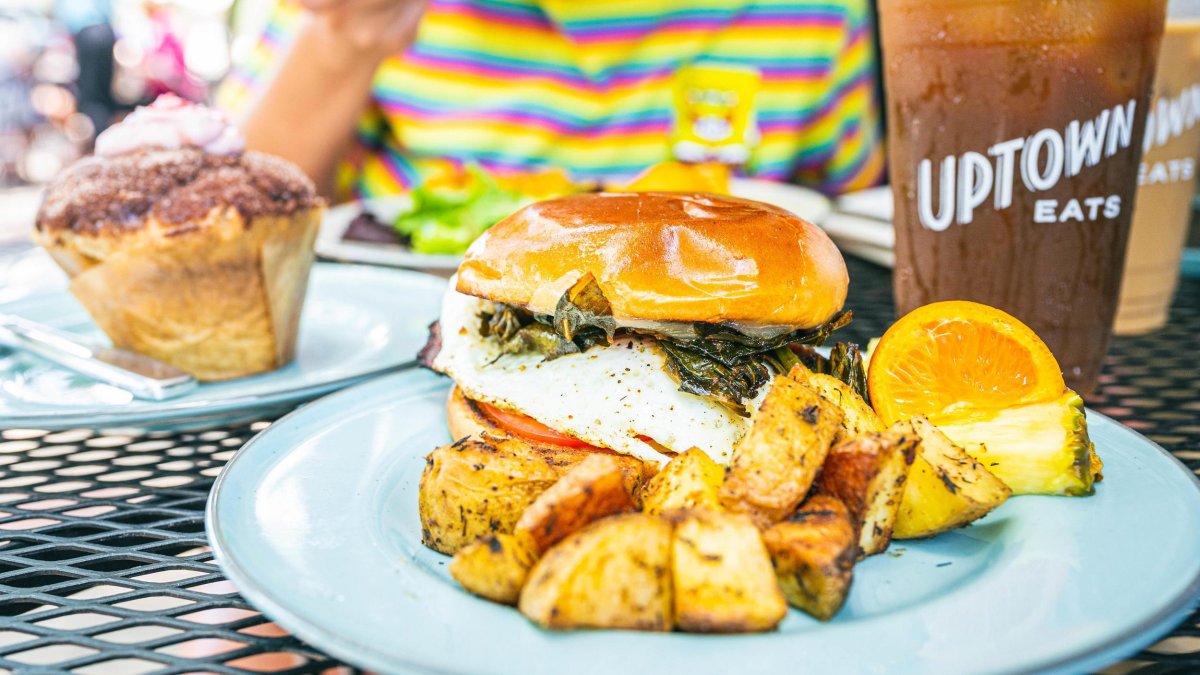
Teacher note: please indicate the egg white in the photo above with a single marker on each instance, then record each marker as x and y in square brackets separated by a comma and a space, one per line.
[606, 396]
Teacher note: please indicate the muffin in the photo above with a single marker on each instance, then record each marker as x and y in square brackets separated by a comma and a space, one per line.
[182, 245]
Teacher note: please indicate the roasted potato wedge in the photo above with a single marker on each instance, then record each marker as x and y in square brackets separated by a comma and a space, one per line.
[859, 418]
[690, 480]
[588, 491]
[614, 573]
[477, 487]
[814, 552]
[946, 487]
[495, 567]
[868, 474]
[482, 484]
[724, 582]
[774, 464]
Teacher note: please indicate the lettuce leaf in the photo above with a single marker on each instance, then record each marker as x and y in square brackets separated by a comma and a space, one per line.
[445, 219]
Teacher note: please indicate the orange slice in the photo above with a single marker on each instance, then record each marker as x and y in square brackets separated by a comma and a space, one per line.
[950, 359]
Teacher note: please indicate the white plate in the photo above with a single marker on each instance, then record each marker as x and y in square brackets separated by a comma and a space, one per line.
[874, 203]
[315, 521]
[811, 205]
[808, 204]
[330, 243]
[861, 225]
[358, 322]
[852, 229]
[25, 270]
[884, 257]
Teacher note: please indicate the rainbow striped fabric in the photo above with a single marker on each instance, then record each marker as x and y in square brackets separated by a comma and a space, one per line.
[594, 87]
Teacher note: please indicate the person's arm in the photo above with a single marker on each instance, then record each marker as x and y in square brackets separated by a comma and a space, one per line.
[310, 108]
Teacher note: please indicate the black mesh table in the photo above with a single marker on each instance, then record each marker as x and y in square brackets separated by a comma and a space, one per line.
[104, 566]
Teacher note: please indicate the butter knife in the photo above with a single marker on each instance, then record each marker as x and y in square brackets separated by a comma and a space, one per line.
[140, 375]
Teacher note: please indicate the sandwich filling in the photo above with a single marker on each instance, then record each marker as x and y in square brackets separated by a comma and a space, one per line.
[637, 389]
[719, 361]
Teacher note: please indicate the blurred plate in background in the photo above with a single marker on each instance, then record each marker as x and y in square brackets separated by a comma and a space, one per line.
[332, 244]
[808, 204]
[358, 322]
[861, 225]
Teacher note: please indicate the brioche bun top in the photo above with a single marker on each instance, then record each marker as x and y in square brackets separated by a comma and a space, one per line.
[663, 256]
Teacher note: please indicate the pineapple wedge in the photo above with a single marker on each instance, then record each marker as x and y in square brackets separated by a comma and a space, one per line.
[1039, 448]
[946, 487]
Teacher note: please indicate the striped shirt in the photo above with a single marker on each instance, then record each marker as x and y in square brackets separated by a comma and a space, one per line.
[604, 89]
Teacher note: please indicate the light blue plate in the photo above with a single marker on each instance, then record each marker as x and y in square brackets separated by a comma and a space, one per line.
[316, 523]
[357, 322]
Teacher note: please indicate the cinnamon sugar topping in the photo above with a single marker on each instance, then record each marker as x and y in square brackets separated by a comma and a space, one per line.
[176, 186]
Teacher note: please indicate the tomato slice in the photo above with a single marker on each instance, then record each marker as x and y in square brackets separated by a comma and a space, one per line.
[526, 426]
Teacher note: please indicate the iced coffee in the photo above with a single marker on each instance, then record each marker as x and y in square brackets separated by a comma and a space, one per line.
[1015, 131]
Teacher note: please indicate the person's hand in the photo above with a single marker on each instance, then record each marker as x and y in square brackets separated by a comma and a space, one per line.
[374, 28]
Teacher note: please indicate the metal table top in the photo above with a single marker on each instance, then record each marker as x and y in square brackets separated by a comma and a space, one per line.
[104, 567]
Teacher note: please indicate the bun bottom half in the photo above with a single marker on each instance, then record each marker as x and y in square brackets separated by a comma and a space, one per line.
[464, 418]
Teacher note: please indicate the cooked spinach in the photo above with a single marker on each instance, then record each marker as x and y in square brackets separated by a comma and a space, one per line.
[721, 362]
[724, 343]
[539, 338]
[784, 359]
[583, 308]
[518, 332]
[502, 323]
[845, 362]
[583, 315]
[728, 384]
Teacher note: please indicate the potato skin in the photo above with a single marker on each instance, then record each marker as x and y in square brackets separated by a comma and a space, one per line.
[495, 567]
[588, 491]
[614, 573]
[480, 485]
[867, 474]
[775, 463]
[946, 488]
[723, 579]
[814, 552]
[690, 480]
[859, 417]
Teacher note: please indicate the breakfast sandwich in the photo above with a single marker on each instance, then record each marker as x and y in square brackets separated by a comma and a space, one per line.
[639, 323]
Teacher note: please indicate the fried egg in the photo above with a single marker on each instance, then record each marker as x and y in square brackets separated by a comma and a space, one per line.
[606, 396]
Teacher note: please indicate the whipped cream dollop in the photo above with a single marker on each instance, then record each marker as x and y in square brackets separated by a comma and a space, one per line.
[170, 123]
